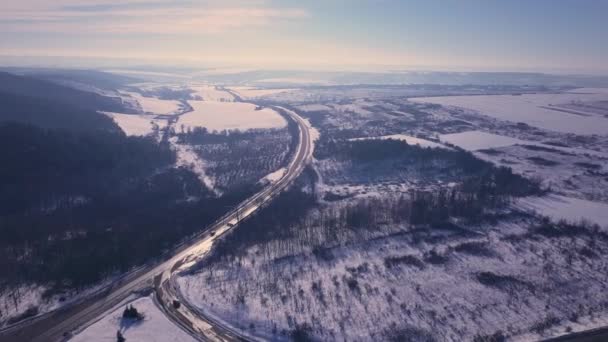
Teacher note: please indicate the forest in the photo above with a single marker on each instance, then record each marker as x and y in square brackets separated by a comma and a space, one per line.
[79, 200]
[297, 217]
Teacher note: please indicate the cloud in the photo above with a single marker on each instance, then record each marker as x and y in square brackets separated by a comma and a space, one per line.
[135, 16]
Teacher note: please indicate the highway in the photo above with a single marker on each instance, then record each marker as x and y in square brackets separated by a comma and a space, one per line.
[54, 325]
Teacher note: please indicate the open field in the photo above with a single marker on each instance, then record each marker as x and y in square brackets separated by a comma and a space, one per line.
[221, 115]
[538, 110]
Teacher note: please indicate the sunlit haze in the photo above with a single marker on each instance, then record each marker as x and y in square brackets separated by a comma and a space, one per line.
[501, 35]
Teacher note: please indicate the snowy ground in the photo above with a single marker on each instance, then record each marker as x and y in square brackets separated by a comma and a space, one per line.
[152, 105]
[17, 300]
[211, 93]
[222, 115]
[408, 139]
[14, 301]
[476, 140]
[188, 158]
[274, 176]
[548, 111]
[137, 124]
[254, 92]
[566, 208]
[154, 327]
[443, 284]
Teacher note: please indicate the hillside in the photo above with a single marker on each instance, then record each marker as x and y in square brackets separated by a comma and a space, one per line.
[52, 114]
[38, 89]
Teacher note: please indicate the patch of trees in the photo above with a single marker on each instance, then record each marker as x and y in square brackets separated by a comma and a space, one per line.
[481, 180]
[408, 333]
[131, 312]
[166, 93]
[503, 282]
[236, 159]
[271, 223]
[409, 260]
[548, 229]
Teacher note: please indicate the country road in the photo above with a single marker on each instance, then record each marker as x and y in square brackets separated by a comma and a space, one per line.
[54, 325]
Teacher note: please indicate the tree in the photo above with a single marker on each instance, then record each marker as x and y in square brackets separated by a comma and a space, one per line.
[131, 312]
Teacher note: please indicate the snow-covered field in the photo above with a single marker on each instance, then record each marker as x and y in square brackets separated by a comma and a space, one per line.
[313, 107]
[153, 105]
[567, 208]
[253, 92]
[155, 327]
[539, 110]
[293, 80]
[408, 139]
[223, 115]
[136, 124]
[476, 140]
[211, 93]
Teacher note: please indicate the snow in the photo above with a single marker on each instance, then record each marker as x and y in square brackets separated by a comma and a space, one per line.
[293, 80]
[230, 115]
[313, 108]
[152, 105]
[146, 73]
[355, 107]
[539, 110]
[187, 157]
[275, 176]
[567, 208]
[212, 93]
[154, 327]
[589, 91]
[408, 139]
[477, 140]
[253, 92]
[133, 124]
[15, 301]
[278, 283]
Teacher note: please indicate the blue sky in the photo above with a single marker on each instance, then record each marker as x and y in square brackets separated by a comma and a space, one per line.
[546, 35]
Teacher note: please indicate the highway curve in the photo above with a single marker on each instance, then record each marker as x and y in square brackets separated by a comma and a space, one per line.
[54, 325]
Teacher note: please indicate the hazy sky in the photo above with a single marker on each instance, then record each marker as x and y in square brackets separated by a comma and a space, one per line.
[458, 34]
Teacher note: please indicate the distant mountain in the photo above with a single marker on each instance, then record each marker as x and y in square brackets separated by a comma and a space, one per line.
[77, 78]
[48, 105]
[41, 89]
[288, 78]
[52, 114]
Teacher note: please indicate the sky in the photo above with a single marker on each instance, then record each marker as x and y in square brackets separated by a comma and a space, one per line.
[488, 35]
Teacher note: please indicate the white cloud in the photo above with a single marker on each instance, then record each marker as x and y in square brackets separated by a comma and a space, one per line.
[141, 16]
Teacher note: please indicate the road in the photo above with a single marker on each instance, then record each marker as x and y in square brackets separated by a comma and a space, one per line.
[53, 326]
[593, 335]
[188, 317]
